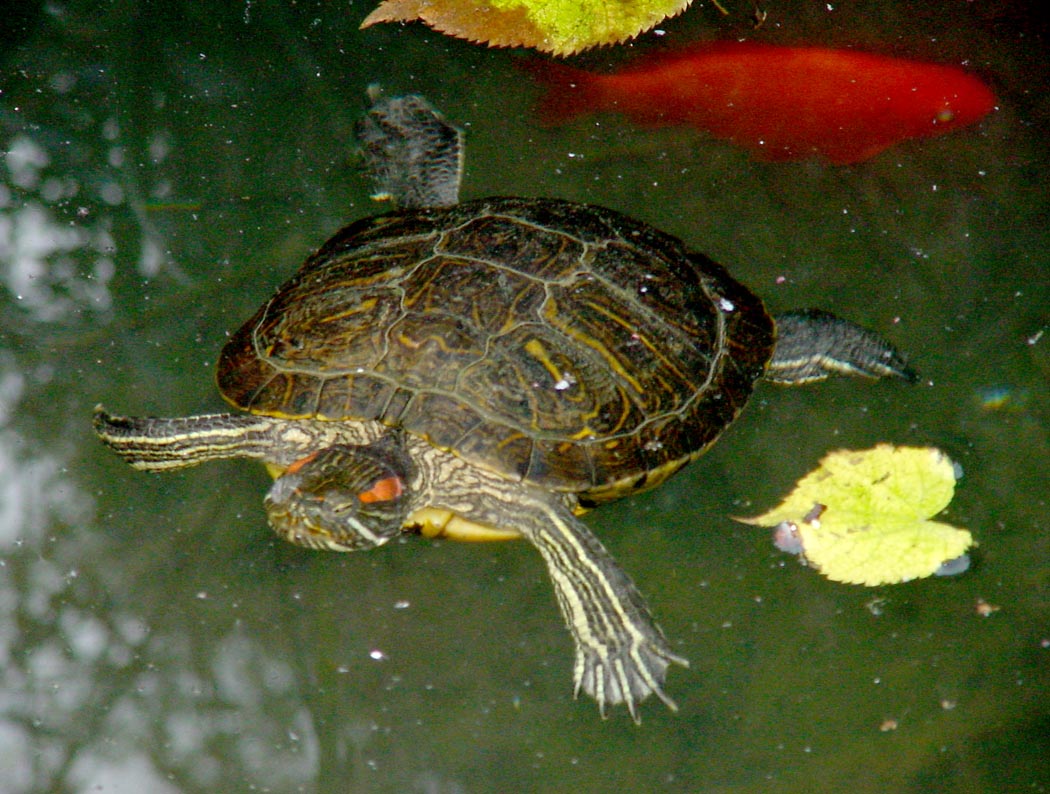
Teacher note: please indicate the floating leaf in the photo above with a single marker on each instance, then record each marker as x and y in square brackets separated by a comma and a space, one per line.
[862, 517]
[561, 27]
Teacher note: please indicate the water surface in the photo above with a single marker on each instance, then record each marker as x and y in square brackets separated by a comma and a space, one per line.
[166, 169]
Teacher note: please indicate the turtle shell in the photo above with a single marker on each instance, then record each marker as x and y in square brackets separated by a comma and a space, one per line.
[557, 343]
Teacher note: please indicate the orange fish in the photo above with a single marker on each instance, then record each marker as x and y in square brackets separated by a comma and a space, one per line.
[781, 103]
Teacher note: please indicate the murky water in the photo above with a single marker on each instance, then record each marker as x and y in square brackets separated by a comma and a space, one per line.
[166, 169]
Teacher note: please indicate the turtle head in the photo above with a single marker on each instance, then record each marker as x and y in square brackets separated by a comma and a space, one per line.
[341, 498]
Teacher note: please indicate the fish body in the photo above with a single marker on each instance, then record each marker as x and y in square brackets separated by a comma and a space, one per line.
[781, 103]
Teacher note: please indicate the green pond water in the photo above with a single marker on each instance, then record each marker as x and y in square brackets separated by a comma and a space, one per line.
[168, 164]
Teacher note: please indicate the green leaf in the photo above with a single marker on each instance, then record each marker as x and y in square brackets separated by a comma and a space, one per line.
[561, 27]
[862, 516]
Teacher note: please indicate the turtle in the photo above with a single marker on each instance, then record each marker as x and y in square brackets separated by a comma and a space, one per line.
[490, 369]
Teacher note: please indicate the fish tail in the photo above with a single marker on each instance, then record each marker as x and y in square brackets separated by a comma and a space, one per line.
[568, 92]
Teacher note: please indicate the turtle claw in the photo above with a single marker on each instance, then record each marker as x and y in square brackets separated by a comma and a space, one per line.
[625, 675]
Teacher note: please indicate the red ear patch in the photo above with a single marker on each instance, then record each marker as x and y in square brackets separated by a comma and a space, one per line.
[384, 490]
[300, 463]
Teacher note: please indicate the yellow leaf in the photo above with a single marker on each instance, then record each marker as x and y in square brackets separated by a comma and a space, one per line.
[561, 27]
[862, 516]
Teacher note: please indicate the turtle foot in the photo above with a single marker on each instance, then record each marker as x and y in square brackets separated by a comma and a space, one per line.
[627, 674]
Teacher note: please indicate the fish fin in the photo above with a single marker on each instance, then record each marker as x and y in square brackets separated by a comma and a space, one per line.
[851, 152]
[770, 154]
[568, 92]
[832, 152]
[857, 154]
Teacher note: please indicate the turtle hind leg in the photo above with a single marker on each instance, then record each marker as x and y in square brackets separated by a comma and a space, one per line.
[413, 155]
[813, 344]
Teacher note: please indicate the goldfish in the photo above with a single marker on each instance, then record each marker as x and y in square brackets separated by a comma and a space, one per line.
[781, 103]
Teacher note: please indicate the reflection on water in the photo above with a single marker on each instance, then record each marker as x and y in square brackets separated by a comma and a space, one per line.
[42, 257]
[165, 169]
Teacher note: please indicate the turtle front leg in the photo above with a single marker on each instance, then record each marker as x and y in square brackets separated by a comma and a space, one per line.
[622, 656]
[152, 444]
[344, 497]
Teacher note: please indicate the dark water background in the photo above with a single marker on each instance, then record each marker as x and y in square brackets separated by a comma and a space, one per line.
[168, 164]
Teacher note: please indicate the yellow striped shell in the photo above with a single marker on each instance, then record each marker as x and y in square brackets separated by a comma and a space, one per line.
[553, 342]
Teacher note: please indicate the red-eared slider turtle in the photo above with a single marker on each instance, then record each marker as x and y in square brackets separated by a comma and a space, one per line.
[491, 369]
